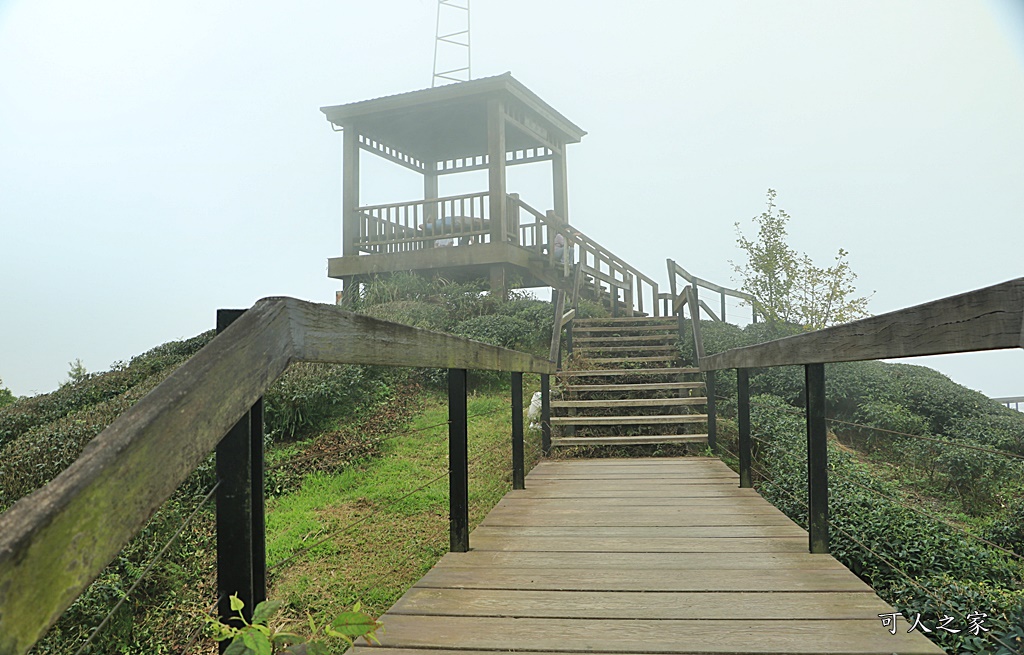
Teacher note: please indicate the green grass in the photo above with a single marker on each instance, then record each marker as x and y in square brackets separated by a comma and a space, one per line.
[401, 531]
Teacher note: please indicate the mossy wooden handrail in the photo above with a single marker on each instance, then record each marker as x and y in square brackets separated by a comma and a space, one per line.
[55, 541]
[991, 318]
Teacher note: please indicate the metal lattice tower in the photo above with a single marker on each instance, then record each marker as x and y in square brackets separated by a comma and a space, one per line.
[451, 43]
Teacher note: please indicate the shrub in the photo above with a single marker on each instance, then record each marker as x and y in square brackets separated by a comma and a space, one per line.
[498, 330]
[307, 395]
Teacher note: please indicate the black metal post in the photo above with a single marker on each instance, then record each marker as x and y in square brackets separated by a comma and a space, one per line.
[743, 412]
[458, 461]
[259, 520]
[240, 550]
[545, 413]
[518, 463]
[709, 390]
[817, 459]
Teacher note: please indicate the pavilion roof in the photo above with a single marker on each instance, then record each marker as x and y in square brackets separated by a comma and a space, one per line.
[450, 121]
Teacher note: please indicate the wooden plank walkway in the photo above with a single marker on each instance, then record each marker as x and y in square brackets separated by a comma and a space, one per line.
[650, 555]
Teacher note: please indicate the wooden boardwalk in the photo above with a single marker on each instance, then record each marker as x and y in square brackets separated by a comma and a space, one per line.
[639, 556]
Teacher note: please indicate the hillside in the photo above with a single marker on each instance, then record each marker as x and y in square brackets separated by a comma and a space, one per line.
[926, 481]
[355, 455]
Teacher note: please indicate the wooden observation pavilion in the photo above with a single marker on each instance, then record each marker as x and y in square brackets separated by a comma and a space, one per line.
[484, 124]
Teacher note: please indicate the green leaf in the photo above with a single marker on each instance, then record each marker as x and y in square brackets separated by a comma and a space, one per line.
[353, 624]
[257, 642]
[285, 639]
[236, 603]
[237, 647]
[265, 611]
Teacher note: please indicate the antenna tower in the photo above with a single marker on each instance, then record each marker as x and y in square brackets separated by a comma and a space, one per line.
[451, 43]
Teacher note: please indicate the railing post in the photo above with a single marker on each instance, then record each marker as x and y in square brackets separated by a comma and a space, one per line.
[545, 414]
[518, 464]
[709, 391]
[241, 540]
[458, 461]
[817, 459]
[723, 307]
[743, 412]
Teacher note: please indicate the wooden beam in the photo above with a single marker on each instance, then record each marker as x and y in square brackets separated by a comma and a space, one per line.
[55, 541]
[986, 319]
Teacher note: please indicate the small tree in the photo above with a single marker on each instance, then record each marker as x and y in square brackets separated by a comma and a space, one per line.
[789, 287]
[76, 372]
[6, 397]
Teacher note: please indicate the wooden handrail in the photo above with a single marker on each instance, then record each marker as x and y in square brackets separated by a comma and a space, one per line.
[55, 541]
[991, 318]
[615, 264]
[407, 203]
[711, 286]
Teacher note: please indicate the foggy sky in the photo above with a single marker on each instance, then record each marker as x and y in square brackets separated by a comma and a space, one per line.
[161, 160]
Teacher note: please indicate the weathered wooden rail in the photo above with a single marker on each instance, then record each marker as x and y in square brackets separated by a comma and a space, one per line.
[55, 541]
[991, 318]
[603, 271]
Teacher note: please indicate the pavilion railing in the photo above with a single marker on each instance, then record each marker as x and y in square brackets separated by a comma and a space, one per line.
[419, 224]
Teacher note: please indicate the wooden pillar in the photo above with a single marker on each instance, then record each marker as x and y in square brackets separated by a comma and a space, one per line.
[429, 193]
[499, 281]
[350, 192]
[496, 168]
[560, 183]
[743, 412]
[817, 459]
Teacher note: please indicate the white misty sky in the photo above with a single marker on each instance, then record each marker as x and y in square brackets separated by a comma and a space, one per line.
[161, 160]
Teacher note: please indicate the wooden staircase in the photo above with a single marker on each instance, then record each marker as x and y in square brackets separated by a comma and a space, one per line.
[625, 385]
